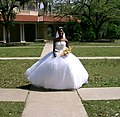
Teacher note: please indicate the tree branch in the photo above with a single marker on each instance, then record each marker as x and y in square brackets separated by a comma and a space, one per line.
[89, 18]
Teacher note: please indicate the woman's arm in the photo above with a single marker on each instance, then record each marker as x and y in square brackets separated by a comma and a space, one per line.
[54, 48]
[67, 44]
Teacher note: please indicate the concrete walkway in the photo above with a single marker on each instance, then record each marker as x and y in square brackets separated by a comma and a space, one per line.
[47, 48]
[37, 58]
[43, 103]
[46, 103]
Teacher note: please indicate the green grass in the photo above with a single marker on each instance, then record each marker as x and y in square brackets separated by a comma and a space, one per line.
[11, 109]
[20, 51]
[108, 108]
[96, 51]
[35, 49]
[12, 73]
[78, 51]
[31, 50]
[116, 43]
[103, 73]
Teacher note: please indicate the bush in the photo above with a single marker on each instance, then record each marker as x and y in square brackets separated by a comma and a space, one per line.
[113, 31]
[73, 30]
[88, 35]
[87, 31]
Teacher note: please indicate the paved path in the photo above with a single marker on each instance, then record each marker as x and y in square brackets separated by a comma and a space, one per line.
[54, 104]
[19, 58]
[13, 95]
[47, 48]
[44, 103]
[37, 58]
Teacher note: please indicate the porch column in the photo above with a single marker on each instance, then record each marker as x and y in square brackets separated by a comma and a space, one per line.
[4, 36]
[22, 33]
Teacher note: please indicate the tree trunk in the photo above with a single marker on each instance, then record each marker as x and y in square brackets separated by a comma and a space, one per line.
[97, 33]
[45, 7]
[7, 33]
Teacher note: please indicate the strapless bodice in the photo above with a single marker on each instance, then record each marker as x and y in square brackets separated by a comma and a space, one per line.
[60, 45]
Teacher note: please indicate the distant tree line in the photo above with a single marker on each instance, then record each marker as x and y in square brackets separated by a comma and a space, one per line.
[98, 19]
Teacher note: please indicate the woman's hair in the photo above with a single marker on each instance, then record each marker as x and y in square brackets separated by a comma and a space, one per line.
[57, 34]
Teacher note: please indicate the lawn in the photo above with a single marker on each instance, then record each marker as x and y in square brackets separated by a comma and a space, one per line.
[102, 73]
[20, 52]
[12, 73]
[96, 51]
[11, 109]
[116, 43]
[35, 51]
[103, 108]
[84, 49]
[79, 49]
[31, 50]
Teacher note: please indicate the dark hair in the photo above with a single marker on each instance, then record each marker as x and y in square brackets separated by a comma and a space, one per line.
[59, 29]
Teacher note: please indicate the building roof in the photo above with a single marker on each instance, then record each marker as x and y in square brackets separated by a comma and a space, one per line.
[35, 18]
[32, 18]
[54, 19]
[26, 18]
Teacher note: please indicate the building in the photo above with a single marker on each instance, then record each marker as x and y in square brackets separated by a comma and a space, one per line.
[29, 27]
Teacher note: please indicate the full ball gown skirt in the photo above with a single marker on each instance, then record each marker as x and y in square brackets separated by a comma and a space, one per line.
[50, 72]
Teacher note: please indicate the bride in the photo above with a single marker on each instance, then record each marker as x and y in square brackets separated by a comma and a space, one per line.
[59, 69]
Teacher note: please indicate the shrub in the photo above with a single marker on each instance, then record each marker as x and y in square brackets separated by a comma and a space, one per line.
[88, 35]
[113, 31]
[73, 30]
[87, 31]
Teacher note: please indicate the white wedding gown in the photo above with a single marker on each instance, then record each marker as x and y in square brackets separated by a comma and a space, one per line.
[60, 72]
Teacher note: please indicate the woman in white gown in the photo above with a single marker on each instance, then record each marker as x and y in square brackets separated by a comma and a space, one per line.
[59, 69]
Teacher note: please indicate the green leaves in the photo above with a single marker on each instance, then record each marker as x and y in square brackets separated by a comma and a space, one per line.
[8, 13]
[98, 12]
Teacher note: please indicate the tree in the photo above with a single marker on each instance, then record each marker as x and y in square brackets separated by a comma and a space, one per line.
[97, 12]
[47, 6]
[113, 30]
[7, 10]
[73, 30]
[63, 7]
